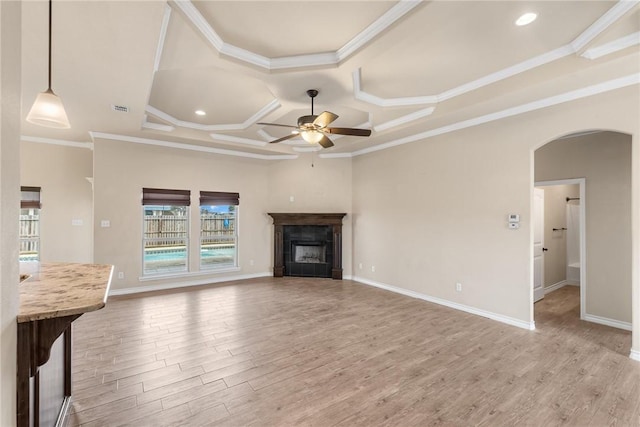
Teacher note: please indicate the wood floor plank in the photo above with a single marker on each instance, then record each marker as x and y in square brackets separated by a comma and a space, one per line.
[321, 352]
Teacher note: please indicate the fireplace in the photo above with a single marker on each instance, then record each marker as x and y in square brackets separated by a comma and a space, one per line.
[307, 245]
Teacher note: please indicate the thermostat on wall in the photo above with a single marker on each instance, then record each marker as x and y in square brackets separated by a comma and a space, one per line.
[514, 218]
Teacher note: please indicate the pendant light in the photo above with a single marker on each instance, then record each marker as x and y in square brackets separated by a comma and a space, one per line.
[48, 110]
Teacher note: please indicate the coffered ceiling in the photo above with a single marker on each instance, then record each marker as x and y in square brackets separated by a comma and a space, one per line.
[405, 69]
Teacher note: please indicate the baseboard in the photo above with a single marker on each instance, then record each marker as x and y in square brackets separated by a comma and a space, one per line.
[635, 355]
[555, 287]
[177, 285]
[468, 309]
[607, 322]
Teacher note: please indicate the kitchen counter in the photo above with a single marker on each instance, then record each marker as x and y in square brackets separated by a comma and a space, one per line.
[52, 296]
[62, 289]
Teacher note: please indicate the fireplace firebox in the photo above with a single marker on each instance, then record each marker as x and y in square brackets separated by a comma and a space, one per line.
[307, 245]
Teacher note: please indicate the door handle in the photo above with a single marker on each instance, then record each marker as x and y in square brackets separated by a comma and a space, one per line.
[544, 249]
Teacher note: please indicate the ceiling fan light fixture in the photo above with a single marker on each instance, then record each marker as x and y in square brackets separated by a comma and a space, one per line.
[48, 110]
[311, 136]
[526, 19]
[200, 113]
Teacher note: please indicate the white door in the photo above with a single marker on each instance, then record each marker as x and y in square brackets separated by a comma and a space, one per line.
[538, 244]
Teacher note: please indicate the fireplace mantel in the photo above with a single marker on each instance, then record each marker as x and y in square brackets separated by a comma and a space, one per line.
[327, 219]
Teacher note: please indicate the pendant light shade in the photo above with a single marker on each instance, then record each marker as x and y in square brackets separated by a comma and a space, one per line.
[48, 110]
[311, 136]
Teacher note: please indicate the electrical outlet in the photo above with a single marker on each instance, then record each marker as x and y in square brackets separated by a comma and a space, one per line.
[459, 287]
[373, 268]
[251, 262]
[121, 275]
[105, 223]
[360, 266]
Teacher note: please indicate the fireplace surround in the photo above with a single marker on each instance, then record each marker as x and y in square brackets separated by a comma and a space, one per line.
[307, 244]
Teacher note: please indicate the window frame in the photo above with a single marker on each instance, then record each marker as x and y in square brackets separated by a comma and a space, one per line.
[30, 199]
[217, 198]
[166, 198]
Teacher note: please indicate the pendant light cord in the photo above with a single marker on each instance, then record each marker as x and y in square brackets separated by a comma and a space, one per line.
[50, 9]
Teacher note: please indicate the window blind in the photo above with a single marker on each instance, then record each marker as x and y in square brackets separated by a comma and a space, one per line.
[159, 196]
[30, 197]
[218, 198]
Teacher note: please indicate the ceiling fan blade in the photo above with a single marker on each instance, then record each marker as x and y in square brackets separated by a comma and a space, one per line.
[324, 119]
[284, 138]
[348, 131]
[276, 124]
[325, 142]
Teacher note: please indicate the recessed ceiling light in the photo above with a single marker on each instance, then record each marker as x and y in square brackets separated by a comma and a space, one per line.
[526, 19]
[200, 113]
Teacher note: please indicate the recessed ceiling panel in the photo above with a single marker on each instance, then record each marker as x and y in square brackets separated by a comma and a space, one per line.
[224, 97]
[446, 44]
[287, 28]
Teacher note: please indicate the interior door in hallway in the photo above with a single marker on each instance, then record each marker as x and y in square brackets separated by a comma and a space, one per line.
[538, 244]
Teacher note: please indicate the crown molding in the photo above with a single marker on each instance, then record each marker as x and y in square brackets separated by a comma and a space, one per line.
[181, 146]
[607, 86]
[613, 46]
[399, 10]
[239, 140]
[267, 109]
[307, 149]
[162, 38]
[389, 102]
[40, 140]
[605, 21]
[146, 124]
[396, 12]
[404, 119]
[335, 156]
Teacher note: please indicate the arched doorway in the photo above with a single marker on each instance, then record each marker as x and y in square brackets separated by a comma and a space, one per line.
[603, 159]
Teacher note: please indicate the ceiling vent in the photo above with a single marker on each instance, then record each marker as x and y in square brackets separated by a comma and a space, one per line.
[120, 108]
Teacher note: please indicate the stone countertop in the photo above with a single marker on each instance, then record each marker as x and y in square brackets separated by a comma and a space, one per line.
[62, 289]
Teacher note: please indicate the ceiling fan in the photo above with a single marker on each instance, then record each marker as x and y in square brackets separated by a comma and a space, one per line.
[313, 129]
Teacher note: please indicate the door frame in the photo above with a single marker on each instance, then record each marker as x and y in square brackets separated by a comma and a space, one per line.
[582, 232]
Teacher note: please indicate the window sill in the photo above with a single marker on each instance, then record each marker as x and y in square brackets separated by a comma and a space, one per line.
[209, 272]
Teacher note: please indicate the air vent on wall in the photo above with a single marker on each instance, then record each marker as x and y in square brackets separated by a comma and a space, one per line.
[120, 108]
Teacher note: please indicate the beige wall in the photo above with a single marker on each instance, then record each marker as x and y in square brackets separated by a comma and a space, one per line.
[66, 195]
[10, 47]
[604, 159]
[555, 216]
[433, 213]
[325, 187]
[122, 169]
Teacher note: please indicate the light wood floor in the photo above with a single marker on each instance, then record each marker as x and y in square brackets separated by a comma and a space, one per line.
[316, 352]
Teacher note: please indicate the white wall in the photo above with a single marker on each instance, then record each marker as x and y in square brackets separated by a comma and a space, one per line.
[604, 159]
[555, 204]
[10, 54]
[66, 195]
[433, 213]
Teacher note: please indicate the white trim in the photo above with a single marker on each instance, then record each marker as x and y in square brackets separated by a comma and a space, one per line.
[156, 126]
[555, 287]
[162, 38]
[607, 322]
[582, 182]
[335, 155]
[405, 119]
[513, 111]
[178, 285]
[312, 149]
[605, 21]
[361, 95]
[238, 139]
[40, 140]
[267, 109]
[635, 355]
[468, 309]
[297, 61]
[613, 46]
[169, 144]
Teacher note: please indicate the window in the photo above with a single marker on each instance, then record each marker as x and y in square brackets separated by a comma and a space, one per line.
[218, 229]
[29, 224]
[165, 230]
